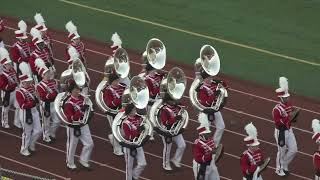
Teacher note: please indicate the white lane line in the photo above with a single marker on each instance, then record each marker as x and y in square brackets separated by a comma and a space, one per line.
[243, 135]
[62, 151]
[33, 167]
[232, 89]
[188, 166]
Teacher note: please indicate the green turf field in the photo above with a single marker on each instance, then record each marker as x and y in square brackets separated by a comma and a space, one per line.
[288, 27]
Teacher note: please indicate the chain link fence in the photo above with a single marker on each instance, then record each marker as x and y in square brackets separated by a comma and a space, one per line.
[7, 174]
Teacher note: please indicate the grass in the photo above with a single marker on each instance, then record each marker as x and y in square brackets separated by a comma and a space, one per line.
[288, 27]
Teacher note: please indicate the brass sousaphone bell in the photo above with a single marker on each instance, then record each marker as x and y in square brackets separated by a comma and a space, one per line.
[174, 85]
[156, 53]
[118, 64]
[137, 94]
[209, 62]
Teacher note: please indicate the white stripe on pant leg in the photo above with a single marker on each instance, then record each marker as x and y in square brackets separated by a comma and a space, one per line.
[292, 148]
[141, 163]
[166, 152]
[181, 146]
[129, 163]
[55, 121]
[87, 142]
[36, 127]
[68, 145]
[220, 126]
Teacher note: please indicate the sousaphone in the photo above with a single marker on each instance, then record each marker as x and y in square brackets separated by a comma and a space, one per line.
[173, 85]
[156, 53]
[209, 63]
[137, 94]
[118, 64]
[77, 73]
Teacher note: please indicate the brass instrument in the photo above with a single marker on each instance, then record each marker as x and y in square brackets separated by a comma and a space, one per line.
[137, 94]
[174, 85]
[209, 62]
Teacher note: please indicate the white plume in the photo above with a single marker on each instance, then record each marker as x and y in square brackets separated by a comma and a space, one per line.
[203, 120]
[35, 33]
[115, 38]
[283, 83]
[22, 26]
[39, 63]
[4, 53]
[73, 52]
[71, 28]
[25, 69]
[316, 126]
[39, 19]
[251, 130]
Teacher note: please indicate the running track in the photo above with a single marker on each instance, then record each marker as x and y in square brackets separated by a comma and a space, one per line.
[248, 102]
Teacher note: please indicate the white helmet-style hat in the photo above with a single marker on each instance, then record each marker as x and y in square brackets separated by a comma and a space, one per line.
[204, 127]
[26, 73]
[251, 139]
[72, 29]
[22, 32]
[283, 90]
[40, 22]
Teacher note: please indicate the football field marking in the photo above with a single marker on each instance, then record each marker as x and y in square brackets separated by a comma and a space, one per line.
[290, 58]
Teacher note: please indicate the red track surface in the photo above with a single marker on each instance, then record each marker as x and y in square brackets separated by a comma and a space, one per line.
[248, 102]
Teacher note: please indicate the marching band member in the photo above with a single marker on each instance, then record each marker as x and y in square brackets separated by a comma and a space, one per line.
[21, 50]
[204, 148]
[27, 100]
[132, 120]
[154, 59]
[75, 108]
[207, 93]
[74, 37]
[252, 161]
[47, 89]
[40, 52]
[316, 155]
[41, 26]
[110, 90]
[169, 117]
[284, 114]
[1, 30]
[8, 85]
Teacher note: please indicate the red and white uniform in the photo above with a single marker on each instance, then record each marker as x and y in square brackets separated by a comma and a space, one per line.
[168, 116]
[8, 85]
[130, 128]
[48, 90]
[316, 164]
[153, 81]
[206, 97]
[20, 51]
[202, 154]
[48, 42]
[73, 112]
[249, 162]
[80, 48]
[44, 55]
[287, 152]
[26, 99]
[112, 95]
